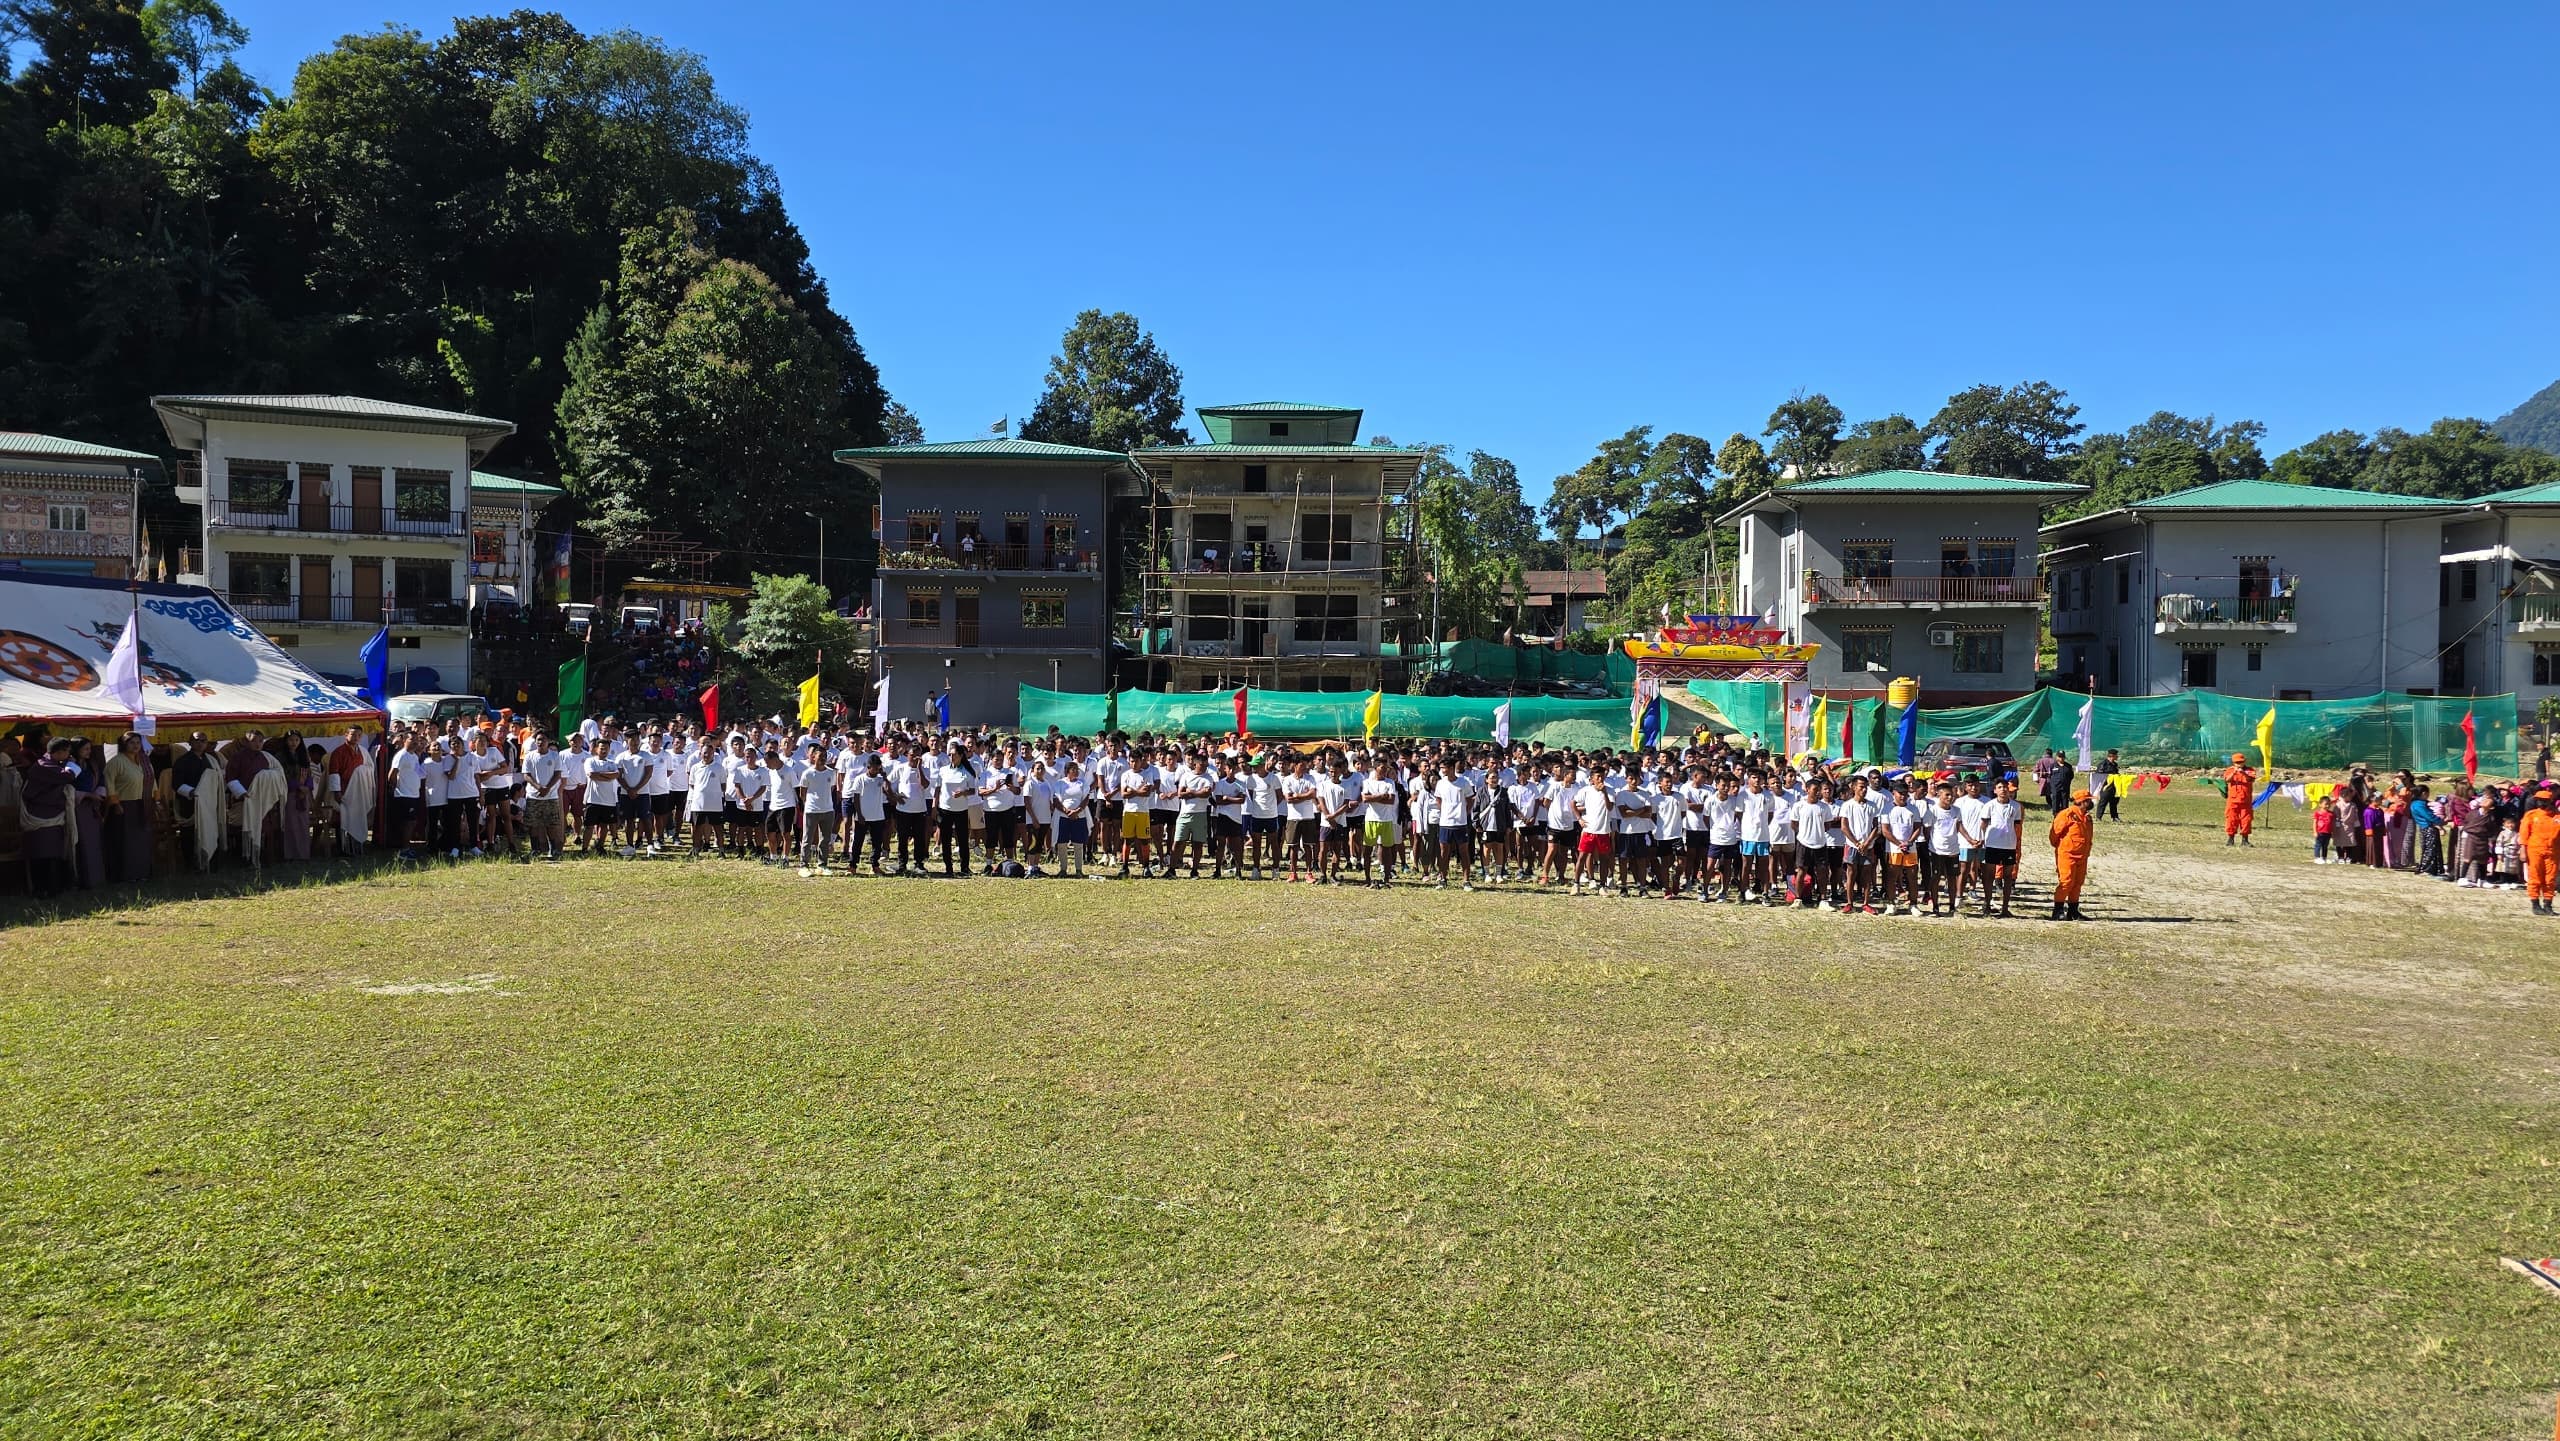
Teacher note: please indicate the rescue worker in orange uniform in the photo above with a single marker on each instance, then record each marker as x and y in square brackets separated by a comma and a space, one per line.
[2074, 830]
[2539, 833]
[2239, 796]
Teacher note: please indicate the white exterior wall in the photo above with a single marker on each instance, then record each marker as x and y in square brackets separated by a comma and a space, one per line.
[2535, 535]
[333, 647]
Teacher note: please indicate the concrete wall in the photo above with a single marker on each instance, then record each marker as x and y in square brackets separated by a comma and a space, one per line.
[985, 688]
[2534, 534]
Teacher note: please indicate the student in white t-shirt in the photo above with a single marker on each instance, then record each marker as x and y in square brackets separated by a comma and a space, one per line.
[2001, 821]
[817, 797]
[1861, 837]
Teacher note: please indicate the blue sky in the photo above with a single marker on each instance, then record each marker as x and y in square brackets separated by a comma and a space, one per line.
[1523, 229]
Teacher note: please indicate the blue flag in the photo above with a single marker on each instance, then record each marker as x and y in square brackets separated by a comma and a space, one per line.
[942, 709]
[1650, 733]
[1906, 745]
[376, 656]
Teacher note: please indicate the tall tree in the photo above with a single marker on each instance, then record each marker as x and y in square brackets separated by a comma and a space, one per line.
[94, 61]
[1110, 386]
[196, 36]
[1803, 431]
[2335, 458]
[1894, 443]
[1608, 486]
[700, 400]
[1478, 529]
[2453, 459]
[2022, 433]
[1745, 465]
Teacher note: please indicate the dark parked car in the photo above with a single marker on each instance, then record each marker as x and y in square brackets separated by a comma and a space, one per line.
[1979, 755]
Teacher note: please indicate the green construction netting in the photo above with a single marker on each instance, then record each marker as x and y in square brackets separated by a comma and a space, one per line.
[1319, 715]
[2391, 731]
[1526, 664]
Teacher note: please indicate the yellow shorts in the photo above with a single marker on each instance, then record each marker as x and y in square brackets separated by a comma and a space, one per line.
[1133, 825]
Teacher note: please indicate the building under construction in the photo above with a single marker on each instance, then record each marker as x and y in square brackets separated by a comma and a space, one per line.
[1280, 554]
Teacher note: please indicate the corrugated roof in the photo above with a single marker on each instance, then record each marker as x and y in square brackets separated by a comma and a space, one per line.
[508, 484]
[1330, 452]
[1928, 482]
[987, 449]
[2277, 495]
[2548, 494]
[1278, 407]
[334, 407]
[27, 443]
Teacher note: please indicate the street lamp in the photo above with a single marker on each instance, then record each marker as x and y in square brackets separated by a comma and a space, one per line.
[822, 556]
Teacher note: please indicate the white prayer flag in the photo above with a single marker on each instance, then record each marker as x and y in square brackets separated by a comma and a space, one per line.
[2088, 723]
[1502, 724]
[122, 678]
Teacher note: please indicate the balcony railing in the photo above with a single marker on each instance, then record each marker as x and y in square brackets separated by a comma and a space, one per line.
[1270, 557]
[1033, 558]
[294, 516]
[2535, 612]
[1924, 589]
[2220, 603]
[307, 609]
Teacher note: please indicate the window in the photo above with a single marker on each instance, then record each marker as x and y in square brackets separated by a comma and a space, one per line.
[1981, 652]
[1212, 618]
[2257, 655]
[1257, 477]
[259, 577]
[422, 582]
[924, 609]
[2450, 672]
[1328, 618]
[257, 486]
[1044, 610]
[924, 530]
[66, 517]
[1279, 430]
[2199, 668]
[2546, 665]
[1324, 539]
[1867, 560]
[2115, 668]
[1058, 539]
[2253, 577]
[2124, 583]
[423, 497]
[1868, 649]
[1996, 559]
[2470, 581]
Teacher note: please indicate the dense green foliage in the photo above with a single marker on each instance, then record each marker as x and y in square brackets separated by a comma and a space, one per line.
[2452, 459]
[425, 220]
[1109, 387]
[2535, 423]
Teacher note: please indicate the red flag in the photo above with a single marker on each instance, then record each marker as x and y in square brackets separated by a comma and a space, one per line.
[711, 707]
[1241, 732]
[1848, 746]
[2470, 750]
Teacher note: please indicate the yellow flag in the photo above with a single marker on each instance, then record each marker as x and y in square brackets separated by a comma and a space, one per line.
[1821, 723]
[809, 701]
[2267, 744]
[1370, 714]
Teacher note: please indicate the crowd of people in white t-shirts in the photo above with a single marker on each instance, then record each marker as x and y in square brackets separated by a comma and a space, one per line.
[1703, 822]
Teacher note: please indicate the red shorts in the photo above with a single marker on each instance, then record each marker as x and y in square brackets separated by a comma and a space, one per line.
[1596, 845]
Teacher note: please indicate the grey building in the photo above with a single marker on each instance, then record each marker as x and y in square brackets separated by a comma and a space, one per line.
[2498, 587]
[1902, 573]
[994, 570]
[2255, 588]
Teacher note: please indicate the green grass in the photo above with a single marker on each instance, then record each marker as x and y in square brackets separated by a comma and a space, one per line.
[721, 1152]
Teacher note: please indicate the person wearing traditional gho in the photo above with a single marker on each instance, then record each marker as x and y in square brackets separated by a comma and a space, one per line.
[301, 777]
[2239, 801]
[45, 819]
[131, 811]
[89, 812]
[195, 793]
[351, 781]
[253, 778]
[2073, 832]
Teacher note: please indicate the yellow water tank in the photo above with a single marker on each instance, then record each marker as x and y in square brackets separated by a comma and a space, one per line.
[1901, 691]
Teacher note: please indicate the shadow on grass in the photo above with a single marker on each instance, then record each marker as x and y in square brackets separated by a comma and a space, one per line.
[226, 882]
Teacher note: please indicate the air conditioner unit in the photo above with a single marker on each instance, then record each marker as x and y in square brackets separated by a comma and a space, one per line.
[1942, 635]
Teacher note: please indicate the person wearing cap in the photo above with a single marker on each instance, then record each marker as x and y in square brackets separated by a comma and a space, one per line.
[2239, 796]
[2538, 836]
[2073, 832]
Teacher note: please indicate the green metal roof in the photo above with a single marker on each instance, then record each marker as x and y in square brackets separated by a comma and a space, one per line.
[1282, 448]
[1278, 407]
[2277, 495]
[1929, 482]
[2546, 494]
[330, 407]
[29, 445]
[509, 485]
[988, 449]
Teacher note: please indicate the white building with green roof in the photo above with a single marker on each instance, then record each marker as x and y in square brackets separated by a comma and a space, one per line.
[1901, 573]
[2254, 588]
[1281, 552]
[326, 517]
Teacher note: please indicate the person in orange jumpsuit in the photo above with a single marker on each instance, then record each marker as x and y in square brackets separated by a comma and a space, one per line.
[2239, 797]
[2073, 832]
[2539, 833]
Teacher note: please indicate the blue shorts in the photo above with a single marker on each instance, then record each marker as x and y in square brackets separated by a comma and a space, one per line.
[1970, 855]
[1755, 848]
[1453, 835]
[1634, 843]
[1072, 832]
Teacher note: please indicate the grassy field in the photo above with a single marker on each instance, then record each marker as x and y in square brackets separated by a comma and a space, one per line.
[661, 1149]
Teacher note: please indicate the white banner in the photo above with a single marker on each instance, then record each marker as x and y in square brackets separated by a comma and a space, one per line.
[199, 663]
[1799, 717]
